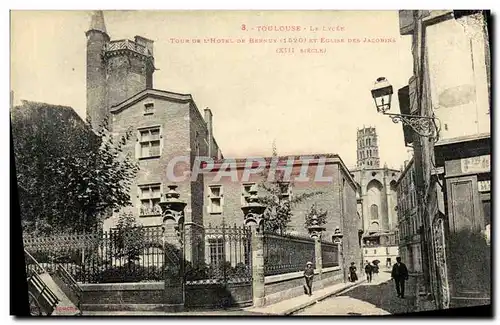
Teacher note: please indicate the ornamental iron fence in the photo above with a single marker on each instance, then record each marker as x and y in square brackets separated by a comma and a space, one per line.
[287, 253]
[329, 254]
[131, 255]
[227, 256]
[140, 254]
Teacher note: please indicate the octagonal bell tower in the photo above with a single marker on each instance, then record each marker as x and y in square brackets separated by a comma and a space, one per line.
[367, 148]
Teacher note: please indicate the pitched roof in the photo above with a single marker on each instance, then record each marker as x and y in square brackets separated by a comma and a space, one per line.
[97, 21]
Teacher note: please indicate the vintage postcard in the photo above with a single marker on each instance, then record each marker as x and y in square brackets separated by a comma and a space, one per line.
[252, 162]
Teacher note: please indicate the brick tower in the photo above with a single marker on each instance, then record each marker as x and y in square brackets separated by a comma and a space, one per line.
[368, 148]
[116, 70]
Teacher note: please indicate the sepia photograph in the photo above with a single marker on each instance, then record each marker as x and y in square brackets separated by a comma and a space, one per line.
[251, 162]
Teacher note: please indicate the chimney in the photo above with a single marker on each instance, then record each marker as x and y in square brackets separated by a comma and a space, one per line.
[208, 121]
[145, 42]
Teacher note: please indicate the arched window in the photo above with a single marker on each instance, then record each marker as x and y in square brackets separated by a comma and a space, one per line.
[374, 227]
[374, 212]
[366, 141]
[369, 142]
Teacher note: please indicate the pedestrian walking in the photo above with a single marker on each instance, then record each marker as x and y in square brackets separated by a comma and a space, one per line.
[400, 275]
[308, 277]
[353, 277]
[375, 269]
[368, 271]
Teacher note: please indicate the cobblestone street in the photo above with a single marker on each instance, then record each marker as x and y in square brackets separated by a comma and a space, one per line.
[376, 298]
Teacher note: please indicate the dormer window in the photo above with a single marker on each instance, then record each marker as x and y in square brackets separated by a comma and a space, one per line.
[149, 108]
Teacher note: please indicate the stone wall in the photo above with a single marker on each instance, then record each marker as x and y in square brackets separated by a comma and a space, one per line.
[123, 296]
[150, 296]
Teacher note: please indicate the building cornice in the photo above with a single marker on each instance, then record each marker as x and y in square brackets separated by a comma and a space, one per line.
[404, 172]
[294, 161]
[467, 138]
[155, 93]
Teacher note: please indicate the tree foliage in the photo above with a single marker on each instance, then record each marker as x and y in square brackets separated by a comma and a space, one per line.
[314, 211]
[279, 210]
[129, 238]
[69, 177]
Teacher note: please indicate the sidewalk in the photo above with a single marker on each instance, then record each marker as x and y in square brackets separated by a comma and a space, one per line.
[422, 304]
[192, 313]
[285, 307]
[293, 305]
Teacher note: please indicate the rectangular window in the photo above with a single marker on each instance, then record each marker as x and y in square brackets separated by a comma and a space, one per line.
[215, 203]
[149, 108]
[217, 251]
[245, 193]
[150, 197]
[149, 142]
[285, 191]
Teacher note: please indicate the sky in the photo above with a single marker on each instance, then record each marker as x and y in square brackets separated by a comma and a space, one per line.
[306, 103]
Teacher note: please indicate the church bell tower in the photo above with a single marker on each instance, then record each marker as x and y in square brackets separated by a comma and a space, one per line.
[368, 148]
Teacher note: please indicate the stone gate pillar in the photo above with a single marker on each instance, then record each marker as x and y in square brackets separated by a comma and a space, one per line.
[337, 239]
[315, 231]
[173, 247]
[253, 217]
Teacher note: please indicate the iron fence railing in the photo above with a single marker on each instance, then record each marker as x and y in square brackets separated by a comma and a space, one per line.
[126, 44]
[285, 254]
[141, 254]
[113, 256]
[227, 256]
[329, 254]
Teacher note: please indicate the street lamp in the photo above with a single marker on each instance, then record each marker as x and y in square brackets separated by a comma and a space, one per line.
[382, 95]
[337, 236]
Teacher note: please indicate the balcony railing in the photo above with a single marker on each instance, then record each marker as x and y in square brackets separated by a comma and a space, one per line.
[127, 45]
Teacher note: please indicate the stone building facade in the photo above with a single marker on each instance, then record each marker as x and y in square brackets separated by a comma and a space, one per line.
[224, 197]
[377, 200]
[169, 133]
[409, 220]
[165, 126]
[451, 82]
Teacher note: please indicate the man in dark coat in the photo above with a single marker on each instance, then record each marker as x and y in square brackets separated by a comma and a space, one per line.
[368, 271]
[400, 275]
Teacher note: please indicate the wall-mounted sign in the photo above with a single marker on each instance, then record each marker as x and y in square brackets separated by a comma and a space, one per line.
[480, 164]
[484, 186]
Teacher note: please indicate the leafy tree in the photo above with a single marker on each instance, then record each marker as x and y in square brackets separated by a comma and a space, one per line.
[314, 211]
[129, 238]
[279, 210]
[69, 177]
